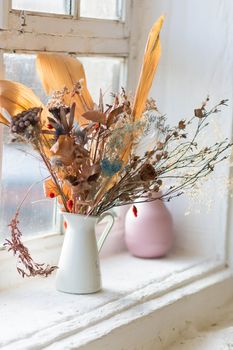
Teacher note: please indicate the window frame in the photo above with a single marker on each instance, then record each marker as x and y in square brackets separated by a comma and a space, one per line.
[23, 32]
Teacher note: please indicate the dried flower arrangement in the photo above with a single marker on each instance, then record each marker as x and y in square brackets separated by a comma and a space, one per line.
[91, 150]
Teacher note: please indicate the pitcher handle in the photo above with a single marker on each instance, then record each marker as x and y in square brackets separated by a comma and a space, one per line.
[106, 230]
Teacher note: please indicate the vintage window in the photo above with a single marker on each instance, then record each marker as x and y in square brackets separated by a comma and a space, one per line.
[104, 65]
[196, 61]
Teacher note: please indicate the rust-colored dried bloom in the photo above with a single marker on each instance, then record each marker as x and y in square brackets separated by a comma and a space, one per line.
[181, 124]
[198, 113]
[147, 172]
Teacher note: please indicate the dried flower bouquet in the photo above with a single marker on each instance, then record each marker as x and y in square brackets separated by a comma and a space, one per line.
[92, 151]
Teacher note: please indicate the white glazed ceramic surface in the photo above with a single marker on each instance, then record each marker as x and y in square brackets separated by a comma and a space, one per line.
[79, 270]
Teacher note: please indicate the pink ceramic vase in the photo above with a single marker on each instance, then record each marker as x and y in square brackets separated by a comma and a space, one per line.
[150, 233]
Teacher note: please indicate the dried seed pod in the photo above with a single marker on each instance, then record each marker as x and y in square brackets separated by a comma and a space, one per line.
[23, 120]
[198, 113]
[147, 172]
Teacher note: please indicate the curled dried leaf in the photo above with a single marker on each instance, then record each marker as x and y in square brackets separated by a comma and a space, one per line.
[113, 114]
[95, 116]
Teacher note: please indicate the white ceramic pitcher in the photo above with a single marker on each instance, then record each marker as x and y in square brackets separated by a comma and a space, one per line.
[78, 269]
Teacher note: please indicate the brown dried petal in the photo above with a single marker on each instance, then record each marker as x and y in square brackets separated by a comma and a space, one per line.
[114, 113]
[160, 145]
[136, 158]
[147, 172]
[64, 148]
[90, 170]
[95, 116]
[149, 153]
[198, 113]
[181, 124]
[80, 188]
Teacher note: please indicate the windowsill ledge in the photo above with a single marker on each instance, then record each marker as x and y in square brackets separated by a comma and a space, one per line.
[216, 334]
[35, 316]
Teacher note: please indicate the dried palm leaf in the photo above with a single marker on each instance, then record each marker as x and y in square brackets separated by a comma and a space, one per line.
[150, 63]
[59, 71]
[3, 120]
[16, 97]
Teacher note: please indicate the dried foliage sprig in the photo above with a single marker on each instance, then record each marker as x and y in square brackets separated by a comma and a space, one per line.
[175, 164]
[86, 164]
[26, 266]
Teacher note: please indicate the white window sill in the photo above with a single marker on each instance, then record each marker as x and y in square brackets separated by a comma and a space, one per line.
[35, 316]
[216, 334]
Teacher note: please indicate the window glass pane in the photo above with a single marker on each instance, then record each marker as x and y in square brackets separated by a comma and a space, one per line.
[49, 6]
[22, 68]
[21, 168]
[109, 9]
[104, 73]
[19, 171]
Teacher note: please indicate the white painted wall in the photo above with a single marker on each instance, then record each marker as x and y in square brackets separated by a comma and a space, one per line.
[197, 59]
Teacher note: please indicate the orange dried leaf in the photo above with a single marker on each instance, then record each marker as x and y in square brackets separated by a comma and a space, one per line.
[16, 97]
[50, 187]
[57, 71]
[150, 63]
[3, 120]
